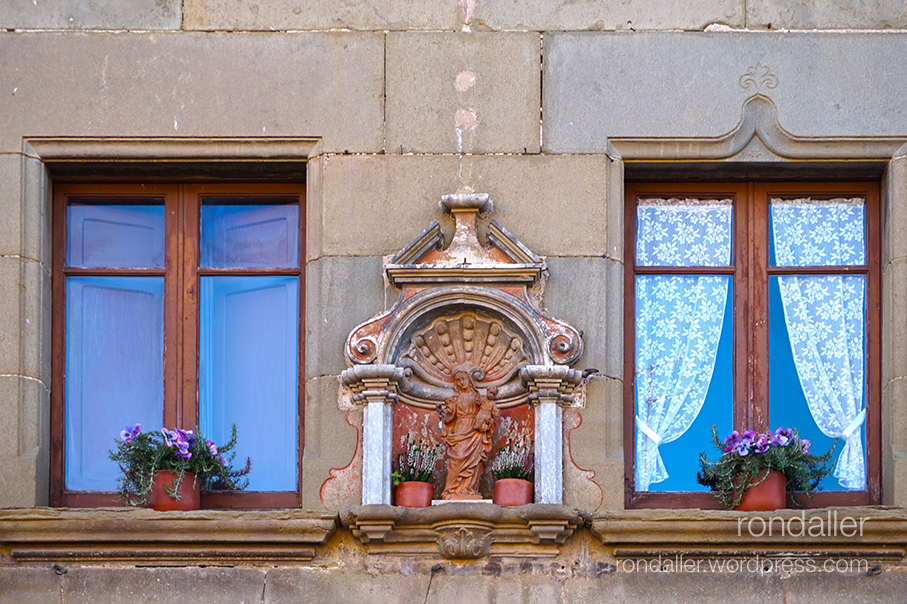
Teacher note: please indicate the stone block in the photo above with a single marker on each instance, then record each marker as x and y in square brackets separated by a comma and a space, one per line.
[894, 321]
[596, 445]
[826, 14]
[287, 585]
[894, 442]
[603, 85]
[270, 15]
[25, 316]
[10, 205]
[24, 209]
[894, 213]
[29, 586]
[24, 434]
[187, 584]
[689, 587]
[363, 195]
[340, 294]
[551, 15]
[463, 92]
[328, 85]
[103, 14]
[330, 442]
[847, 581]
[598, 312]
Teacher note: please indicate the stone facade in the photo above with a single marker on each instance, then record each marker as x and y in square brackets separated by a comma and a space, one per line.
[385, 107]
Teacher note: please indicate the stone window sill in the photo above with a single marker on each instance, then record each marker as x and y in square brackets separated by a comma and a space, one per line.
[828, 533]
[146, 537]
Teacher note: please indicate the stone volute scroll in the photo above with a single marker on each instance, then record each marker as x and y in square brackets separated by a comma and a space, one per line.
[464, 358]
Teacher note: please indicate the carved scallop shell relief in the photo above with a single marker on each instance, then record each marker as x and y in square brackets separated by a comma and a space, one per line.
[492, 353]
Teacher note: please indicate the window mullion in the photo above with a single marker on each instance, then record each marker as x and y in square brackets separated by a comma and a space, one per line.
[172, 360]
[189, 313]
[757, 204]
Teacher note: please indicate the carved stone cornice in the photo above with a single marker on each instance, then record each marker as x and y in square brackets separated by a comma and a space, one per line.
[143, 536]
[869, 533]
[463, 530]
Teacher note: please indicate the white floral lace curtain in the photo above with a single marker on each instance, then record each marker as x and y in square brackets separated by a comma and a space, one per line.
[825, 318]
[678, 321]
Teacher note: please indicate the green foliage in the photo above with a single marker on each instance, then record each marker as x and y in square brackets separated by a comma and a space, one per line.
[141, 454]
[746, 461]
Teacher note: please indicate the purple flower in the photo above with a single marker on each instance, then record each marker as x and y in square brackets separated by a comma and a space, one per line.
[223, 461]
[782, 437]
[804, 445]
[171, 437]
[732, 441]
[212, 448]
[188, 437]
[762, 444]
[129, 434]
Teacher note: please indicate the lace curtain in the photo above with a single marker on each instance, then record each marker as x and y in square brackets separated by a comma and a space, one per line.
[825, 318]
[678, 321]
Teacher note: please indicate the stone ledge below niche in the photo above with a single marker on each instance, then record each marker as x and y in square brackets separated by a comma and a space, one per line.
[146, 537]
[714, 534]
[464, 530]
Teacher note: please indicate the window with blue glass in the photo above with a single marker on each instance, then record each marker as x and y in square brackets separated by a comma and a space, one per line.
[178, 305]
[751, 306]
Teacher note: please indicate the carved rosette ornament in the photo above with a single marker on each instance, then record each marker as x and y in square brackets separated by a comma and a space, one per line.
[464, 307]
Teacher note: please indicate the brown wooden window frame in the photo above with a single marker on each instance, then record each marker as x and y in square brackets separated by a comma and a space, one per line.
[181, 273]
[750, 274]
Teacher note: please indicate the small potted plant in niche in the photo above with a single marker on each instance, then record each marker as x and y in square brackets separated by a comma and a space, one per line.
[166, 469]
[412, 471]
[514, 471]
[756, 471]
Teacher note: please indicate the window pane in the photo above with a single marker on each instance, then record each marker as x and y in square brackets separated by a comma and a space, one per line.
[817, 355]
[818, 232]
[114, 370]
[683, 232]
[250, 232]
[248, 372]
[115, 234]
[684, 380]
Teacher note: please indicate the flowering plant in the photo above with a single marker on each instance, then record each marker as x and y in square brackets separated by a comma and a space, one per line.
[141, 454]
[516, 459]
[747, 459]
[416, 462]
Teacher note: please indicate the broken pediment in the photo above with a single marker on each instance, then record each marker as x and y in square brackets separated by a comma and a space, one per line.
[463, 305]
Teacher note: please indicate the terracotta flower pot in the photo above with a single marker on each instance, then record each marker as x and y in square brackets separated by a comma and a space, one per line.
[414, 494]
[767, 496]
[513, 491]
[188, 493]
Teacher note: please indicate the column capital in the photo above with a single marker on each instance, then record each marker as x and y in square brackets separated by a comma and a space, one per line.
[551, 383]
[372, 383]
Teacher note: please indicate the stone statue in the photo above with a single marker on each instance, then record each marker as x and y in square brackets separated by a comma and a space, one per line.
[468, 420]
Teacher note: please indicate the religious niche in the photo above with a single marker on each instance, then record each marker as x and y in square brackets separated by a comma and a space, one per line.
[464, 359]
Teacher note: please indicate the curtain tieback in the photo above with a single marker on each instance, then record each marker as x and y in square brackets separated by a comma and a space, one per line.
[653, 436]
[852, 427]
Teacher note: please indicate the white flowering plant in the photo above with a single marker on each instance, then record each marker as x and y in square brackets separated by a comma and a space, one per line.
[416, 462]
[516, 459]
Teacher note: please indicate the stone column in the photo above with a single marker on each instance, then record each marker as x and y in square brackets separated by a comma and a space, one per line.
[375, 388]
[550, 389]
